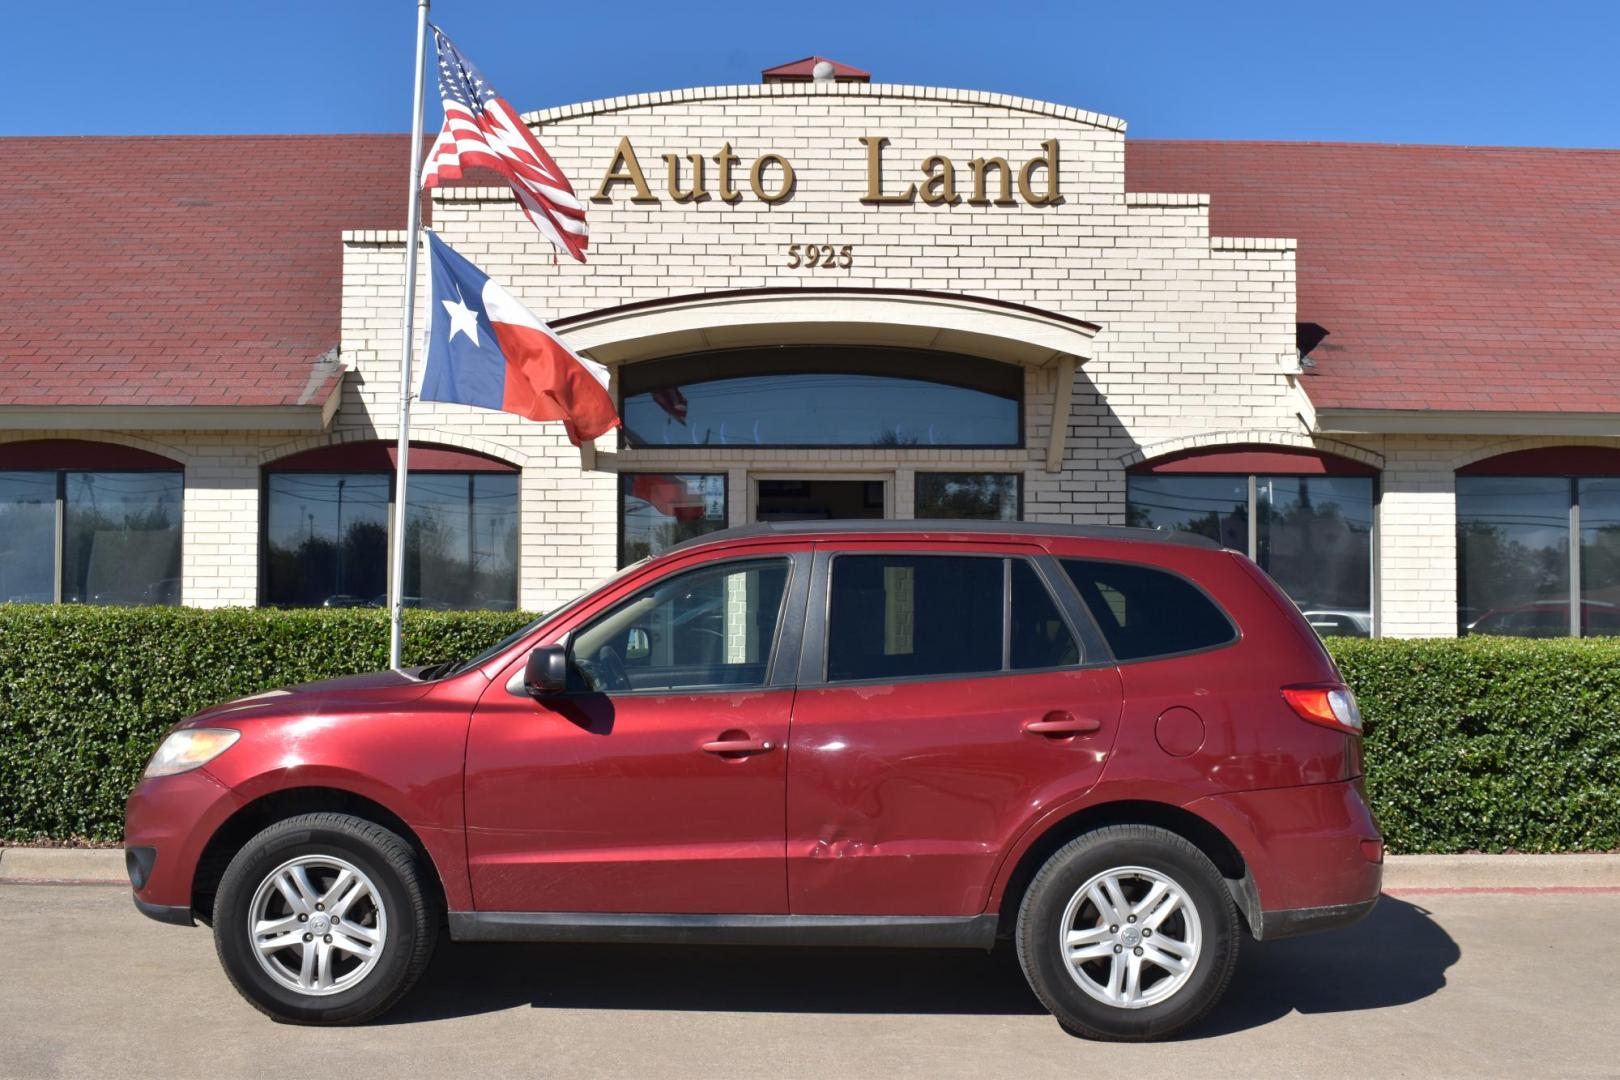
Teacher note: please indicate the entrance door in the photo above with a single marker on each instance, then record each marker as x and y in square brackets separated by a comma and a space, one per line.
[818, 500]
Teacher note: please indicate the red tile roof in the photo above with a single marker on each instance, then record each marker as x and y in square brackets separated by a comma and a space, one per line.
[207, 270]
[182, 270]
[1445, 277]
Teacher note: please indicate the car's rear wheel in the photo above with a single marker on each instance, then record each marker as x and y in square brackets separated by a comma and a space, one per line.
[323, 919]
[1128, 933]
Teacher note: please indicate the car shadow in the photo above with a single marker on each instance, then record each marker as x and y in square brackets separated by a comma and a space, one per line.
[1396, 955]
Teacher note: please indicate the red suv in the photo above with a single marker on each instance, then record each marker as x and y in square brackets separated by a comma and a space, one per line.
[1120, 749]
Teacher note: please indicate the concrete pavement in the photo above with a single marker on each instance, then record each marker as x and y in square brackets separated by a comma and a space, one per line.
[1449, 984]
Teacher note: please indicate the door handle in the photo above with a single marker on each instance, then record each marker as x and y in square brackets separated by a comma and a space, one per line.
[739, 746]
[1062, 725]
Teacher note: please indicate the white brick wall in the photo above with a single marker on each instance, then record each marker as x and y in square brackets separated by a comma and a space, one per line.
[1196, 335]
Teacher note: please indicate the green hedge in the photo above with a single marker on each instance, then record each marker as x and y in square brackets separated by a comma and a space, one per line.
[87, 692]
[1491, 744]
[1486, 744]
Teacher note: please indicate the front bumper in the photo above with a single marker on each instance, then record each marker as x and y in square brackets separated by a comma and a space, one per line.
[1314, 854]
[168, 822]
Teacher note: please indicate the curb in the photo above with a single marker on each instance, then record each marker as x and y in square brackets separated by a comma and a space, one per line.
[77, 866]
[1402, 873]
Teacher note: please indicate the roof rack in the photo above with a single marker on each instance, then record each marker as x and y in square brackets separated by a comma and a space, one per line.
[948, 525]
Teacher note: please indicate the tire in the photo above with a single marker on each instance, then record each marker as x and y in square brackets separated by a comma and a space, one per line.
[1133, 863]
[286, 882]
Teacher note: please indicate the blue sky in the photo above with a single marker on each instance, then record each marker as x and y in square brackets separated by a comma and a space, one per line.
[1482, 73]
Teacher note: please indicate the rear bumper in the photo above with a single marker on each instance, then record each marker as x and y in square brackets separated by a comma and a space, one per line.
[1313, 853]
[1294, 921]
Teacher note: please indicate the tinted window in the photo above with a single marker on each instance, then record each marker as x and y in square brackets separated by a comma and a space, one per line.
[1146, 612]
[1513, 555]
[27, 537]
[326, 539]
[819, 396]
[121, 538]
[985, 496]
[1039, 636]
[712, 628]
[902, 616]
[659, 510]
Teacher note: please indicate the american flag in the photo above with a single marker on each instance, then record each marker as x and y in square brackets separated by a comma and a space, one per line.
[482, 129]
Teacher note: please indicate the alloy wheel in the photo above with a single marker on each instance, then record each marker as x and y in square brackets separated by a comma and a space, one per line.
[317, 925]
[1130, 937]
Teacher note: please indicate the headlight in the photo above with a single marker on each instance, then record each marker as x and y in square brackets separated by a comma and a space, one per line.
[187, 749]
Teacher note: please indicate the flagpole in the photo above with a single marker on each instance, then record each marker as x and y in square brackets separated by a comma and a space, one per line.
[413, 243]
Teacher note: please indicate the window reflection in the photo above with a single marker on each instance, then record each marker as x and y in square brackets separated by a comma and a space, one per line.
[982, 496]
[326, 539]
[27, 537]
[1212, 506]
[659, 510]
[1513, 555]
[1600, 556]
[801, 396]
[121, 538]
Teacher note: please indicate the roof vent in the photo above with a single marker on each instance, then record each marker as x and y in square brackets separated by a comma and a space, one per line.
[815, 69]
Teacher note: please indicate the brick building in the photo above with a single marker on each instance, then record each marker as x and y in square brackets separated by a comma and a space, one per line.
[1388, 372]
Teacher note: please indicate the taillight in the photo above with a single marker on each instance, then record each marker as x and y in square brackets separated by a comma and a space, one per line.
[1330, 706]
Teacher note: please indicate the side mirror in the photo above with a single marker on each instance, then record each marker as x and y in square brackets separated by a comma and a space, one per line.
[636, 645]
[546, 671]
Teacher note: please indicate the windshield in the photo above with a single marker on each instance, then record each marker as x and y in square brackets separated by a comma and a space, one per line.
[446, 670]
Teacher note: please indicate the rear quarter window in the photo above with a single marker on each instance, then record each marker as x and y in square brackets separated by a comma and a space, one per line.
[1145, 612]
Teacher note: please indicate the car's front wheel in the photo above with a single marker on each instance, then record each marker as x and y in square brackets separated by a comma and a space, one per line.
[323, 919]
[1128, 933]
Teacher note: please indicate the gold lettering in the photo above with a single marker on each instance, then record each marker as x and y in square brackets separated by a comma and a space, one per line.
[726, 159]
[940, 187]
[874, 174]
[1048, 161]
[981, 169]
[625, 169]
[697, 192]
[758, 171]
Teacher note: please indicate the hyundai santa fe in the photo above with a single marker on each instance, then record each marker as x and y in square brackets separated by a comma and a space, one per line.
[1122, 750]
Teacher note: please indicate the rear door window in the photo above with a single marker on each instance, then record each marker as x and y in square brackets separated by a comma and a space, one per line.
[1145, 612]
[904, 616]
[912, 616]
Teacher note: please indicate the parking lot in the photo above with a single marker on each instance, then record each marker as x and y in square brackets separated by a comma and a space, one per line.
[1459, 984]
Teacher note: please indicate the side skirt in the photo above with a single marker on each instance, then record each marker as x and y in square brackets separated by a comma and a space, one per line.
[884, 931]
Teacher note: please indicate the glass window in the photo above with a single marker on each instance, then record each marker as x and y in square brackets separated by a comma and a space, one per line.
[984, 496]
[801, 396]
[1039, 638]
[659, 510]
[461, 548]
[903, 616]
[121, 538]
[706, 629]
[1313, 534]
[1513, 555]
[27, 537]
[1144, 612]
[326, 539]
[1600, 556]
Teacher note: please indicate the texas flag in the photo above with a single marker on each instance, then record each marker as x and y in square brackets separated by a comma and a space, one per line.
[486, 349]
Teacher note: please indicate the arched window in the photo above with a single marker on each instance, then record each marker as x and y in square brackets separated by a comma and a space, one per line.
[818, 396]
[328, 513]
[88, 523]
[1305, 516]
[1538, 543]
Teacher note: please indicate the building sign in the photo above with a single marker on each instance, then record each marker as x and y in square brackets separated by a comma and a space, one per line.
[937, 181]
